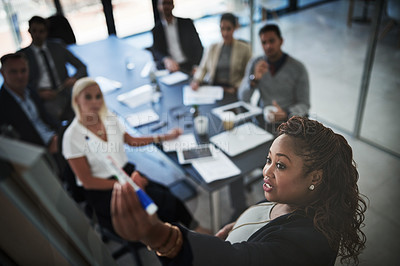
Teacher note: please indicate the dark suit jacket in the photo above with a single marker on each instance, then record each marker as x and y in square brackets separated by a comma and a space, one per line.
[290, 239]
[12, 114]
[61, 56]
[188, 38]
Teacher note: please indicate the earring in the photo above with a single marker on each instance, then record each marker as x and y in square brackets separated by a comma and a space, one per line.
[311, 187]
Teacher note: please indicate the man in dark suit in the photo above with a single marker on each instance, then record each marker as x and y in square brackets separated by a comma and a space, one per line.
[47, 69]
[176, 44]
[21, 109]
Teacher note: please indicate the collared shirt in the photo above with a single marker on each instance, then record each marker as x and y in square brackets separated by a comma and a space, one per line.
[172, 37]
[44, 79]
[29, 107]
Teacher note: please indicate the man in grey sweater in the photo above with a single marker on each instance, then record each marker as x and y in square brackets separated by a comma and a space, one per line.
[281, 80]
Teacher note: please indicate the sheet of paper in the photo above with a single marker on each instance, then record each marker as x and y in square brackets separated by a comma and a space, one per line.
[241, 138]
[182, 142]
[138, 96]
[142, 118]
[217, 168]
[204, 95]
[174, 78]
[107, 85]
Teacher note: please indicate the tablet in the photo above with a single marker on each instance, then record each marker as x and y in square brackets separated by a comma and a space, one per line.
[196, 153]
[242, 110]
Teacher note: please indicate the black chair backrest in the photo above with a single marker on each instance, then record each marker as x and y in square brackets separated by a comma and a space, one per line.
[60, 29]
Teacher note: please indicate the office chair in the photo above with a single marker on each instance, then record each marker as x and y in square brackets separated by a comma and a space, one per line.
[60, 30]
[125, 246]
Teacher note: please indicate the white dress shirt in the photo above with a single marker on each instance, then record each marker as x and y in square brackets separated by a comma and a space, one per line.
[44, 79]
[172, 37]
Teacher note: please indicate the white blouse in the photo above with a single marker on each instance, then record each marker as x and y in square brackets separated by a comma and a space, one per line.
[74, 145]
[250, 222]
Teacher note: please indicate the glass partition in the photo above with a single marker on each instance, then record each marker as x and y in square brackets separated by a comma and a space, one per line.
[380, 123]
[86, 18]
[14, 17]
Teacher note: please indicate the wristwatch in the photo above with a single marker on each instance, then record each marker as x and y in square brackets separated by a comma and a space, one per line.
[253, 80]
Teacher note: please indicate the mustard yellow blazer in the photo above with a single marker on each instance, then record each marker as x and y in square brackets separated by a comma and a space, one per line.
[241, 54]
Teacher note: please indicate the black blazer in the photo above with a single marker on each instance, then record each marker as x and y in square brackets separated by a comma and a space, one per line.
[12, 114]
[61, 56]
[188, 38]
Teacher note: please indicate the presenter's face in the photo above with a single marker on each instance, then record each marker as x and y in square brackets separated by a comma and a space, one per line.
[90, 100]
[227, 30]
[284, 178]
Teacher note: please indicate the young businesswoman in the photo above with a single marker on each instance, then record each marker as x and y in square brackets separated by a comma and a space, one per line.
[93, 121]
[314, 213]
[225, 62]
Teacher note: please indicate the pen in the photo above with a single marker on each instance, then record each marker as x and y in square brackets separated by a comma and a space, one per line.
[159, 125]
[122, 178]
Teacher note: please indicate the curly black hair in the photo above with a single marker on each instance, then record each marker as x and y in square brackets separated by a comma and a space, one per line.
[338, 207]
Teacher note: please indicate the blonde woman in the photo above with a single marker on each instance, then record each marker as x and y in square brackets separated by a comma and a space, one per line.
[94, 121]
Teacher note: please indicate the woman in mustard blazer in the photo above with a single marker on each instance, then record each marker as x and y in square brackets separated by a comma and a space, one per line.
[224, 63]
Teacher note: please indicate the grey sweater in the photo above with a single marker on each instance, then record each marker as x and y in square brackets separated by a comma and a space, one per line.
[289, 86]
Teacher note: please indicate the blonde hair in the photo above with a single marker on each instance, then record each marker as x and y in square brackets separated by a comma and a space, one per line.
[79, 86]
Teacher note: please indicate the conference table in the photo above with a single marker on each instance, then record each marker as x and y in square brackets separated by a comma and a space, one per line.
[107, 58]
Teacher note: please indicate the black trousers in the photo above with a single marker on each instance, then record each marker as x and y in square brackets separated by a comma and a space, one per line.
[170, 208]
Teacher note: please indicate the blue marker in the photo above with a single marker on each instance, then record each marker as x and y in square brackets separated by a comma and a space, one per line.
[122, 178]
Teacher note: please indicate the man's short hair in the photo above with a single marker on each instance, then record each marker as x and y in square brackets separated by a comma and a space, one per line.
[271, 27]
[38, 20]
[159, 2]
[8, 57]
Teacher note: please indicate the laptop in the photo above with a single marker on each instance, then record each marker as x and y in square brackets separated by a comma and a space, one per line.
[241, 138]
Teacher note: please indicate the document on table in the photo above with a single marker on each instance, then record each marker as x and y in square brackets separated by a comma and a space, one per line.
[204, 95]
[174, 78]
[107, 85]
[142, 118]
[219, 167]
[241, 138]
[183, 142]
[138, 96]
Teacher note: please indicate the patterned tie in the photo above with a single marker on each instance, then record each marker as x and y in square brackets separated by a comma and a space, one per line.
[49, 70]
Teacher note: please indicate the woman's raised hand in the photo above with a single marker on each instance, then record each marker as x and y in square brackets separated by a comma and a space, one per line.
[129, 218]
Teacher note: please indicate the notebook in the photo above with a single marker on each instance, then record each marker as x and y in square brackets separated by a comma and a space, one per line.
[138, 96]
[142, 118]
[241, 138]
[204, 95]
[216, 168]
[174, 78]
[108, 85]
